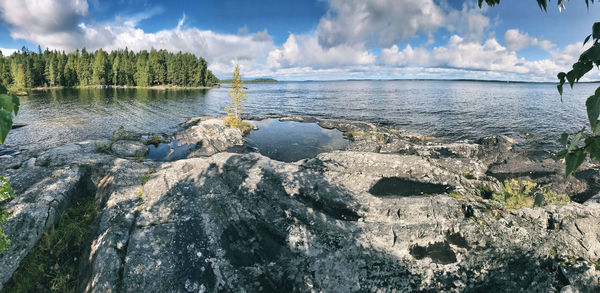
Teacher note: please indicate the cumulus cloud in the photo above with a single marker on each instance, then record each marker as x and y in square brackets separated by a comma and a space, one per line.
[305, 50]
[7, 52]
[483, 59]
[221, 50]
[47, 22]
[469, 22]
[354, 39]
[516, 40]
[383, 22]
[407, 57]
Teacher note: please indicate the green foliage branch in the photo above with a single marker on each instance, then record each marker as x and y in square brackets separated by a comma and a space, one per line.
[577, 146]
[6, 193]
[9, 104]
[237, 97]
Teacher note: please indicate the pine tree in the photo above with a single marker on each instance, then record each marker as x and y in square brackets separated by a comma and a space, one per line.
[100, 68]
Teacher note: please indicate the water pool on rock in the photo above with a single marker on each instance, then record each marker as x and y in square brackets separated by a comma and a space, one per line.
[169, 151]
[290, 141]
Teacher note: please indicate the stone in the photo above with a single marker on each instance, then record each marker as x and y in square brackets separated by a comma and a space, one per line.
[129, 148]
[376, 217]
[29, 163]
[244, 222]
[35, 210]
[209, 137]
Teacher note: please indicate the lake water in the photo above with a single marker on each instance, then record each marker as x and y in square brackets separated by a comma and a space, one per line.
[452, 110]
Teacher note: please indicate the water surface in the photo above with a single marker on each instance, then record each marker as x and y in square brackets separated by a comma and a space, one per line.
[171, 151]
[450, 110]
[290, 141]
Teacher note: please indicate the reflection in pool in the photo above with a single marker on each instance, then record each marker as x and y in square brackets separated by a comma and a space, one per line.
[290, 141]
[169, 151]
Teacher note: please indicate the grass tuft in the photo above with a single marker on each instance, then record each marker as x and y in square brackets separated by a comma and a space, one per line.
[468, 175]
[102, 148]
[144, 179]
[524, 194]
[53, 264]
[244, 126]
[155, 139]
[122, 134]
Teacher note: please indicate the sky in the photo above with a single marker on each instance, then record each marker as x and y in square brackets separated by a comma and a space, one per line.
[320, 39]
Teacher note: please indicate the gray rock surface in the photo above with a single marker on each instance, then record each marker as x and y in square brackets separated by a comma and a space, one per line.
[210, 136]
[129, 148]
[376, 217]
[235, 222]
[35, 210]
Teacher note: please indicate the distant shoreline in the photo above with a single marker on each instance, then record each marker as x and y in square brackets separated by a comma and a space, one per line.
[426, 79]
[256, 80]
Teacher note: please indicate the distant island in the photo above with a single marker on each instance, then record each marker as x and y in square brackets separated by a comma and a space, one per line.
[122, 68]
[256, 80]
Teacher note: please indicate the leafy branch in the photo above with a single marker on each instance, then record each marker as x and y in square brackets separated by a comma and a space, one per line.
[9, 104]
[574, 153]
[542, 3]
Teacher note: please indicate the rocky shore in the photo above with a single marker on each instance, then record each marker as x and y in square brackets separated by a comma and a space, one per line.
[393, 212]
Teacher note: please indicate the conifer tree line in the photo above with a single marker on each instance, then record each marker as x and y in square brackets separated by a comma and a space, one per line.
[27, 69]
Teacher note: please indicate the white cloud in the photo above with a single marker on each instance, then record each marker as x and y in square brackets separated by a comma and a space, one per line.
[516, 40]
[7, 51]
[305, 50]
[220, 50]
[47, 22]
[407, 57]
[484, 60]
[383, 22]
[469, 22]
[343, 45]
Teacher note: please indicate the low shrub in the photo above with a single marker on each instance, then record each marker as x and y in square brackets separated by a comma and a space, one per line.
[244, 126]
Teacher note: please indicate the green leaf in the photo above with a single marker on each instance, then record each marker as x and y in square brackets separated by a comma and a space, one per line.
[560, 90]
[576, 139]
[593, 110]
[5, 124]
[573, 161]
[564, 139]
[561, 154]
[593, 147]
[580, 68]
[539, 199]
[16, 104]
[596, 30]
[587, 38]
[543, 4]
[571, 78]
[6, 103]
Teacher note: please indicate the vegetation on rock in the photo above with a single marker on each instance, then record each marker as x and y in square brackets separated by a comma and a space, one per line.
[155, 139]
[524, 194]
[237, 97]
[53, 264]
[6, 193]
[122, 134]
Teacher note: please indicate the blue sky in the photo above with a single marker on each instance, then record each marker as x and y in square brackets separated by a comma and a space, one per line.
[322, 39]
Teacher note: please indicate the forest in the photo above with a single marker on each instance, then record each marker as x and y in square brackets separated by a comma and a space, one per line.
[27, 69]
